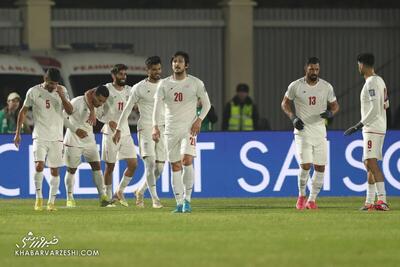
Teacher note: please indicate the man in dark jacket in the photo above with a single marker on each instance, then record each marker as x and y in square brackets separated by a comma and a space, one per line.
[240, 114]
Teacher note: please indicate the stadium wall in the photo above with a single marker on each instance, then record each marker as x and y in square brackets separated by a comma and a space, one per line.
[253, 164]
[284, 38]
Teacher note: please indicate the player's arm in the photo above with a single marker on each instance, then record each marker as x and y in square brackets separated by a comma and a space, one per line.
[206, 105]
[124, 116]
[65, 101]
[369, 117]
[20, 120]
[92, 115]
[286, 106]
[158, 104]
[79, 132]
[331, 111]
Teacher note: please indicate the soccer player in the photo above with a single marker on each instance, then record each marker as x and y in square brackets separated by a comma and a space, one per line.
[47, 100]
[153, 154]
[311, 96]
[374, 102]
[79, 140]
[109, 114]
[179, 93]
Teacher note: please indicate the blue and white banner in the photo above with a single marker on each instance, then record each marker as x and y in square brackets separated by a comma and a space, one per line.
[242, 164]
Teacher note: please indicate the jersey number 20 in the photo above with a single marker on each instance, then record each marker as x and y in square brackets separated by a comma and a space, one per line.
[178, 97]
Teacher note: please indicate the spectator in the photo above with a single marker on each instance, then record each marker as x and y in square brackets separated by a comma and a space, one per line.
[211, 118]
[240, 113]
[9, 114]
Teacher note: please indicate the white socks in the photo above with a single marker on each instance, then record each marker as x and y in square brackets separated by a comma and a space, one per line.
[38, 177]
[150, 166]
[317, 183]
[109, 191]
[99, 182]
[159, 169]
[69, 181]
[380, 191]
[188, 181]
[370, 194]
[177, 186]
[124, 183]
[54, 185]
[302, 179]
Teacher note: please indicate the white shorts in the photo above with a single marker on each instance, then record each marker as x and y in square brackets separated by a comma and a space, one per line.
[373, 144]
[72, 155]
[148, 148]
[311, 153]
[125, 149]
[50, 152]
[179, 145]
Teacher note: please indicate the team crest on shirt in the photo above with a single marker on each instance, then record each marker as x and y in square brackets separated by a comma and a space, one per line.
[371, 92]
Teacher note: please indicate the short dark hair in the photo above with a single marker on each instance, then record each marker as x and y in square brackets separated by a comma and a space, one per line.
[154, 60]
[242, 87]
[53, 75]
[182, 54]
[312, 60]
[366, 59]
[118, 67]
[102, 90]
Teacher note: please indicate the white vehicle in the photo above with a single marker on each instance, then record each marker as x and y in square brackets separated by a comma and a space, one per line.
[18, 74]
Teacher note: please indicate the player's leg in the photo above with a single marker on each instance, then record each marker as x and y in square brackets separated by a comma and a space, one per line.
[72, 156]
[39, 154]
[146, 151]
[160, 157]
[188, 181]
[173, 147]
[370, 194]
[377, 147]
[372, 152]
[69, 182]
[316, 185]
[378, 187]
[188, 150]
[54, 161]
[38, 178]
[126, 178]
[54, 186]
[91, 155]
[177, 185]
[126, 151]
[109, 156]
[304, 151]
[98, 180]
[319, 154]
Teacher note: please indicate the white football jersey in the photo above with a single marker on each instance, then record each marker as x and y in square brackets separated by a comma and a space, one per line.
[180, 100]
[47, 110]
[113, 108]
[79, 119]
[310, 102]
[374, 95]
[142, 94]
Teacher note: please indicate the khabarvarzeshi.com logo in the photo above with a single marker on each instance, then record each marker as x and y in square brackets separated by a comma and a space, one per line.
[38, 245]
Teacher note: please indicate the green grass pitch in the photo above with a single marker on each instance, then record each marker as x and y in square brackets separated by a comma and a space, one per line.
[220, 232]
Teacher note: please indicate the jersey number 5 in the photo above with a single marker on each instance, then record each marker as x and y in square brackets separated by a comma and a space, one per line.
[178, 97]
[312, 100]
[120, 105]
[47, 103]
